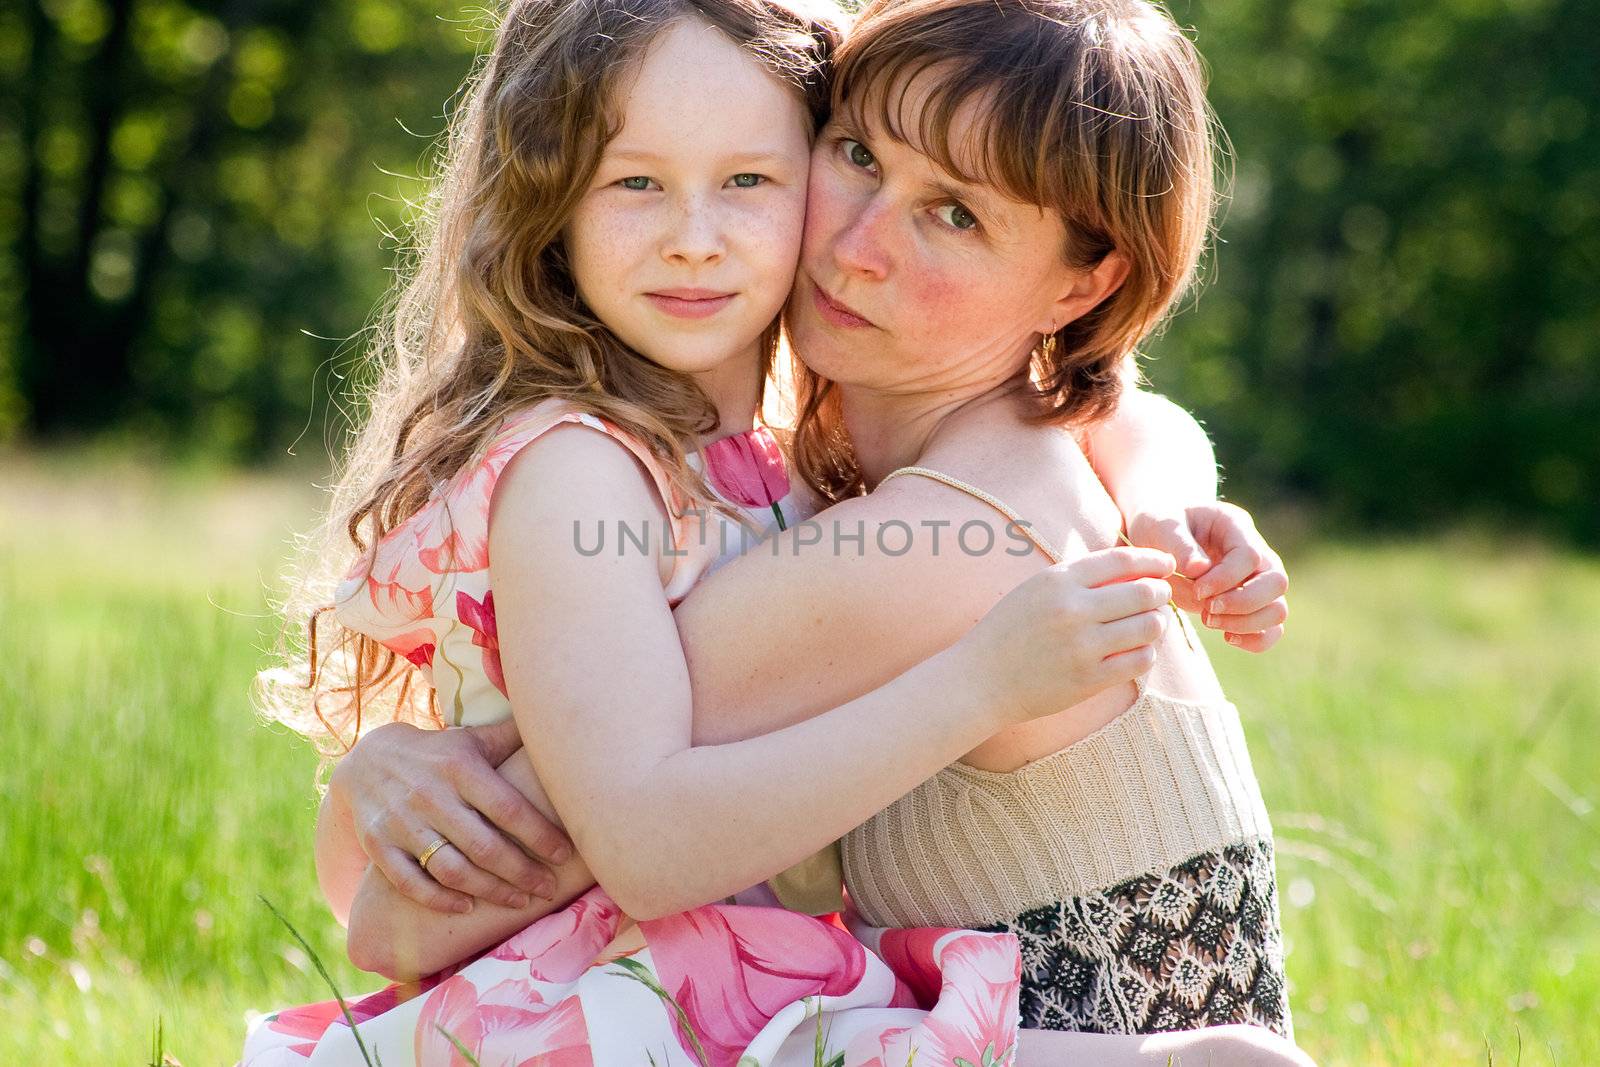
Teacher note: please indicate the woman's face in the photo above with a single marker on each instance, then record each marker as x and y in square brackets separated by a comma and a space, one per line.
[912, 280]
[685, 244]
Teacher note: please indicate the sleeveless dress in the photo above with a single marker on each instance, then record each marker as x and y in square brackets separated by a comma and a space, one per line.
[1135, 866]
[745, 983]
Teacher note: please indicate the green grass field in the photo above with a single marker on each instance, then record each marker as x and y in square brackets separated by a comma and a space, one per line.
[1425, 735]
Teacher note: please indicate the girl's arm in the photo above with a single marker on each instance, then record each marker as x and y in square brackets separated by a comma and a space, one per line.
[596, 671]
[1130, 445]
[340, 861]
[1158, 466]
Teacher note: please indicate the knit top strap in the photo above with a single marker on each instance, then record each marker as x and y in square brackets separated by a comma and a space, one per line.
[993, 502]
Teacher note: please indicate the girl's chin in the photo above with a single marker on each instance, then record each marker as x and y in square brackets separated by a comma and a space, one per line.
[707, 361]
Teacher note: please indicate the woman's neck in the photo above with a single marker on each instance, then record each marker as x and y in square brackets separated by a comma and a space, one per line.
[893, 430]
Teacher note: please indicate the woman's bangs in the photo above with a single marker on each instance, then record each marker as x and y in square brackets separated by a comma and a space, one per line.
[976, 123]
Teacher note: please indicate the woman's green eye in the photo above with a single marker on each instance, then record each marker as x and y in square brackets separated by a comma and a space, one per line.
[858, 154]
[747, 181]
[959, 217]
[635, 183]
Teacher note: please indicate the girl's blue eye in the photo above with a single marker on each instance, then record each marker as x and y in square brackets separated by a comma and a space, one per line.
[635, 183]
[747, 181]
[959, 218]
[857, 153]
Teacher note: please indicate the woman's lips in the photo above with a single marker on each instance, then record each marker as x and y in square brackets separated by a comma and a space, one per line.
[834, 312]
[690, 303]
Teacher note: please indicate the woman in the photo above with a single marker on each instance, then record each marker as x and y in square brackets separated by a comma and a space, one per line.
[908, 304]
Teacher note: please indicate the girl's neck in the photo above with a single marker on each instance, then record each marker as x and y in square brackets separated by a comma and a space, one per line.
[734, 386]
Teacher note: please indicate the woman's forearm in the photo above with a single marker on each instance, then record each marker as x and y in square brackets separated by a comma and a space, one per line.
[394, 936]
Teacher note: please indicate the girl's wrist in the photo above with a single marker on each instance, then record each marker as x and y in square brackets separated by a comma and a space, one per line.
[967, 674]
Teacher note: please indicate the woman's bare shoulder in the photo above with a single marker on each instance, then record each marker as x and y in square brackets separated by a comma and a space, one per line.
[1039, 471]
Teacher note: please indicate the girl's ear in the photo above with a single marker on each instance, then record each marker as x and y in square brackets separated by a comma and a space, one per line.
[1090, 288]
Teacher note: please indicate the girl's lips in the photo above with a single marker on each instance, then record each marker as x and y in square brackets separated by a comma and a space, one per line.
[690, 304]
[835, 313]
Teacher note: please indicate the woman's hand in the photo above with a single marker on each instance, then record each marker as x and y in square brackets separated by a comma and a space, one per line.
[1226, 570]
[1072, 630]
[406, 788]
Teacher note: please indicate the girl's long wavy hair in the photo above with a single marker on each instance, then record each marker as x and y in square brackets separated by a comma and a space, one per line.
[485, 319]
[1094, 110]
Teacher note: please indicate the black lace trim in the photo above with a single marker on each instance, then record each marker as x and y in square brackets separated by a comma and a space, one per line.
[1198, 945]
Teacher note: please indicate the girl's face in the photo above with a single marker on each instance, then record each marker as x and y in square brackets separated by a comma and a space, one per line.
[686, 243]
[912, 281]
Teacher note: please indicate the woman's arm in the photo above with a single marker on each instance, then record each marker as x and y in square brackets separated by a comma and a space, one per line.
[395, 936]
[401, 788]
[1235, 1045]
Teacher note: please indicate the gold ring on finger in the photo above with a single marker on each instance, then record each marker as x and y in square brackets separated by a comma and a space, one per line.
[428, 853]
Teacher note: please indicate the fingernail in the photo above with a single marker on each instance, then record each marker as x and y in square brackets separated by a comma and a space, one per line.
[520, 901]
[561, 854]
[463, 906]
[1232, 639]
[547, 889]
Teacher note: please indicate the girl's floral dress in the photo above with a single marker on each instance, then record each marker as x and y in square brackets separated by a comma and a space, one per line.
[743, 984]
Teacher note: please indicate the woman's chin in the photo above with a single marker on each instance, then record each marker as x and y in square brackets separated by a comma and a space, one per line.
[823, 352]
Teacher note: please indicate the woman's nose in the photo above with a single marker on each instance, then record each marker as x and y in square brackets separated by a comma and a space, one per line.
[695, 234]
[861, 247]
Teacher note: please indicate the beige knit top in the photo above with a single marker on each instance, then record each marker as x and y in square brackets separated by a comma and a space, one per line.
[1164, 781]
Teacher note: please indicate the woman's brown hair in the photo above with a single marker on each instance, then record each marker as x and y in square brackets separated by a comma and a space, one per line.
[485, 319]
[1093, 109]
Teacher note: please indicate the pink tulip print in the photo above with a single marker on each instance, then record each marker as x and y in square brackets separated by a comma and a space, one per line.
[559, 946]
[730, 969]
[748, 469]
[505, 1025]
[719, 976]
[479, 617]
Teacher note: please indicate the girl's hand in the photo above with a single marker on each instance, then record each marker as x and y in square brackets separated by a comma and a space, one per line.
[1073, 630]
[407, 788]
[1226, 570]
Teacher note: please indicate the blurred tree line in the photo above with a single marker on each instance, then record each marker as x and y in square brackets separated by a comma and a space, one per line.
[200, 198]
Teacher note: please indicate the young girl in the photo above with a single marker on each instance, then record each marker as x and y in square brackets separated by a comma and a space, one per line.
[632, 324]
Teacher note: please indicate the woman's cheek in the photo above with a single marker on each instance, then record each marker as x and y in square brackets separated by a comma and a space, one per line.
[825, 205]
[941, 301]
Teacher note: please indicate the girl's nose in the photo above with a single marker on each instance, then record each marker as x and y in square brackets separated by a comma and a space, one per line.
[695, 235]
